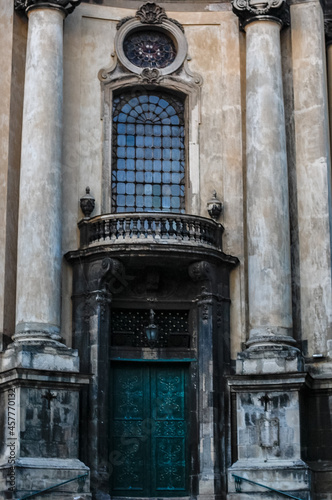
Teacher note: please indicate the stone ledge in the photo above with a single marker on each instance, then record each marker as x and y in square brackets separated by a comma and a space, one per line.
[35, 474]
[39, 355]
[272, 359]
[290, 476]
[24, 376]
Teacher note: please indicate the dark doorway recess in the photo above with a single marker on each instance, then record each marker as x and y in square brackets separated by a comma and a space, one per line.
[149, 429]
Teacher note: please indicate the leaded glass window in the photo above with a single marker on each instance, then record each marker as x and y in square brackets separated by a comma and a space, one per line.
[149, 49]
[148, 173]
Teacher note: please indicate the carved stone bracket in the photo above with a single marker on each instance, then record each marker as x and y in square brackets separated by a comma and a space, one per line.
[200, 271]
[149, 75]
[66, 6]
[251, 10]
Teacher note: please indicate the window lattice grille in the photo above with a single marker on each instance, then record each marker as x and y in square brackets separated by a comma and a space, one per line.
[149, 49]
[128, 328]
[148, 172]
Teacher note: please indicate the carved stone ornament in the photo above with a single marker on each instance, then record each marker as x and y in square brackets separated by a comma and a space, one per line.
[200, 271]
[253, 10]
[87, 203]
[149, 75]
[67, 6]
[151, 13]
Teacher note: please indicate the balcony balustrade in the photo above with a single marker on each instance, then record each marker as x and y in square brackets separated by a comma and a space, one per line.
[150, 228]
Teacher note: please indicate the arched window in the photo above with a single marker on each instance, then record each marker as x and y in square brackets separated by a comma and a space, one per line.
[148, 167]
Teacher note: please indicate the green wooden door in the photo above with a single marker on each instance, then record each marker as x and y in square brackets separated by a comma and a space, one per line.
[149, 429]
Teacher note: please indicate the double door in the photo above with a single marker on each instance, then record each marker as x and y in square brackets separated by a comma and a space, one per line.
[149, 429]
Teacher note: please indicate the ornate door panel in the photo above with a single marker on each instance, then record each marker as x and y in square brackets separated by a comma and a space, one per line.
[149, 430]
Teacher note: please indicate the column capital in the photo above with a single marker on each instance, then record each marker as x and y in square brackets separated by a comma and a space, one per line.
[268, 10]
[66, 6]
[328, 29]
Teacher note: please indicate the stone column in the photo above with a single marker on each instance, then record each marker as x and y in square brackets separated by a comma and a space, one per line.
[39, 232]
[269, 276]
[311, 174]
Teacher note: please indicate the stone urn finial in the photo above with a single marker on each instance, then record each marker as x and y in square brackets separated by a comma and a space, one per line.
[214, 206]
[87, 203]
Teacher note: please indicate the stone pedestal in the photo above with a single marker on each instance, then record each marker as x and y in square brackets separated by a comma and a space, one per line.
[40, 423]
[267, 413]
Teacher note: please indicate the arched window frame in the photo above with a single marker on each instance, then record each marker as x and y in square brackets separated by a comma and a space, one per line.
[184, 82]
[164, 174]
[191, 95]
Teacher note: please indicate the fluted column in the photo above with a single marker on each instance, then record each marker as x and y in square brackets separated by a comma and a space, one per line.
[39, 232]
[269, 276]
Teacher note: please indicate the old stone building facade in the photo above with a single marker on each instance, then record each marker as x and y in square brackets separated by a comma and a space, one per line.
[165, 251]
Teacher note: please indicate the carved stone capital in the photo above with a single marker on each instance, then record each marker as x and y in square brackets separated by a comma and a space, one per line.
[328, 29]
[260, 10]
[66, 6]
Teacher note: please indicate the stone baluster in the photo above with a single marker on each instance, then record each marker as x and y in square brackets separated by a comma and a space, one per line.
[269, 276]
[39, 231]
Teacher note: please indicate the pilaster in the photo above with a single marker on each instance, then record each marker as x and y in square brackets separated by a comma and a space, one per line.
[311, 177]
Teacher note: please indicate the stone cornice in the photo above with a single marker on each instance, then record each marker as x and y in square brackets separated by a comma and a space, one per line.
[252, 10]
[66, 6]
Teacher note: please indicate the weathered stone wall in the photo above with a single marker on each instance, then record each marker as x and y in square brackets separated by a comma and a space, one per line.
[13, 32]
[214, 49]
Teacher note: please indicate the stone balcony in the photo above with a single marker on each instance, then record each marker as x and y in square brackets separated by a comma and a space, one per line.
[155, 228]
[153, 234]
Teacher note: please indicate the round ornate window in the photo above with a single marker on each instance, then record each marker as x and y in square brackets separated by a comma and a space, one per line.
[149, 49]
[139, 46]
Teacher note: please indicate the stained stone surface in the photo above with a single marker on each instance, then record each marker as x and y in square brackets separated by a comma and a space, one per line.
[267, 186]
[311, 176]
[39, 233]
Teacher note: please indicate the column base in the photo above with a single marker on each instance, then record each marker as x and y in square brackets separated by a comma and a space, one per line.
[269, 358]
[33, 331]
[290, 476]
[35, 474]
[40, 355]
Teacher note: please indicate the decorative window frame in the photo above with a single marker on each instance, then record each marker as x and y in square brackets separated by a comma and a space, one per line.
[167, 27]
[177, 78]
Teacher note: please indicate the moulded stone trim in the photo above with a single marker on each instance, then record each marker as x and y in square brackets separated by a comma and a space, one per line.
[166, 26]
